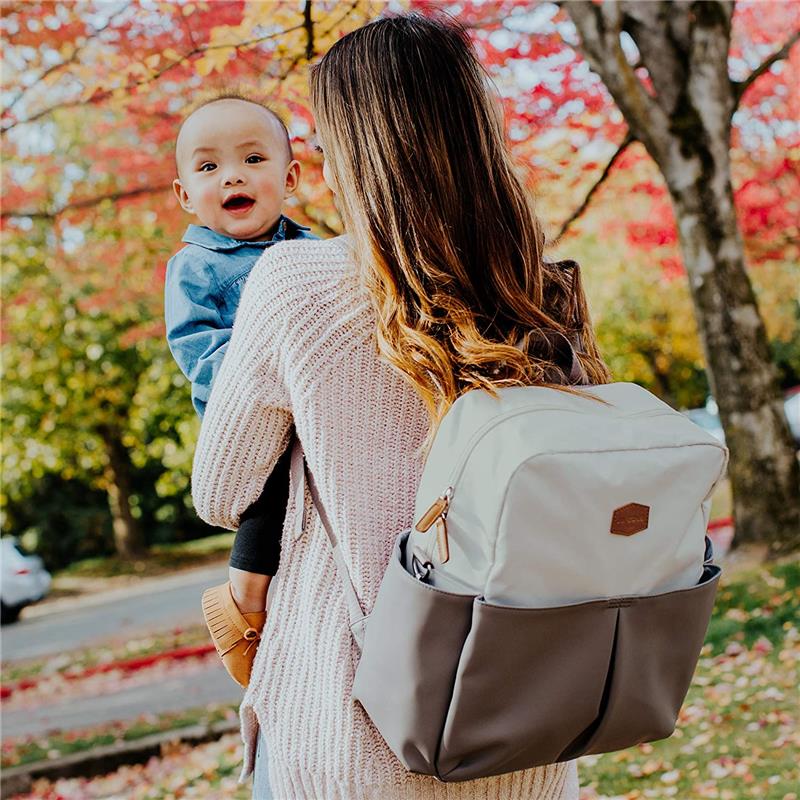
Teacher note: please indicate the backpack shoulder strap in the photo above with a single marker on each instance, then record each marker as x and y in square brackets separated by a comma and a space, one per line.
[302, 477]
[708, 557]
[564, 353]
[576, 371]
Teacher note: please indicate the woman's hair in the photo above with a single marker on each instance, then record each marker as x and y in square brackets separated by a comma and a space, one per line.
[443, 228]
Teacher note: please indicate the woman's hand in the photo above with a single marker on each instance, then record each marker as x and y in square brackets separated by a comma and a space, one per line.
[249, 589]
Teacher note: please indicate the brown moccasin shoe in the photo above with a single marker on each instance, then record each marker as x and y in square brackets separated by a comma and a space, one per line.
[235, 635]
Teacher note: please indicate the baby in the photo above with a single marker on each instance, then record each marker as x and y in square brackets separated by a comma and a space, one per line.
[235, 169]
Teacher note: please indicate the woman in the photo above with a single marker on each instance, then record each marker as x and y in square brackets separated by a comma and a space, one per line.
[362, 343]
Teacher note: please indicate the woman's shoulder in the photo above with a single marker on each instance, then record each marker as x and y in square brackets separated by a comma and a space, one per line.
[303, 285]
[306, 274]
[302, 262]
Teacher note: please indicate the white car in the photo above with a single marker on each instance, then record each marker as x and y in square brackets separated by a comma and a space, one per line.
[23, 579]
[792, 406]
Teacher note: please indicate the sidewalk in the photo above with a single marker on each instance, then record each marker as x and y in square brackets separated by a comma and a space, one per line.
[96, 591]
[123, 613]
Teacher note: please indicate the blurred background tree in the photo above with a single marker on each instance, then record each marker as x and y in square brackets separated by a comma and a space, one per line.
[98, 431]
[674, 90]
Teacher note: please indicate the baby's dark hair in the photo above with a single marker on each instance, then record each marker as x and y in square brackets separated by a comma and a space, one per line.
[245, 97]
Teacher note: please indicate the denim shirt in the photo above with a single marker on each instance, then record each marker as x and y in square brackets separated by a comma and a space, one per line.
[201, 294]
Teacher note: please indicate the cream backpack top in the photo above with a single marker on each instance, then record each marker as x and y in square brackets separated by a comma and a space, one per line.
[541, 498]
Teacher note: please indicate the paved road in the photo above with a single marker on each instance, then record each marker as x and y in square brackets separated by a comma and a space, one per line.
[155, 604]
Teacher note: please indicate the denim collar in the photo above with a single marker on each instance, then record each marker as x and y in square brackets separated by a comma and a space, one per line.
[211, 240]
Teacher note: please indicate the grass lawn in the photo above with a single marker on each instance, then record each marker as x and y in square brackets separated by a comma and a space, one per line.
[161, 559]
[206, 772]
[40, 747]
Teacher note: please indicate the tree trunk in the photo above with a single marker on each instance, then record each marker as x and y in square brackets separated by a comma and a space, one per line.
[661, 378]
[685, 126]
[128, 537]
[763, 469]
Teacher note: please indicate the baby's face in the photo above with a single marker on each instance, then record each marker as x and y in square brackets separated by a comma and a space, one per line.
[234, 170]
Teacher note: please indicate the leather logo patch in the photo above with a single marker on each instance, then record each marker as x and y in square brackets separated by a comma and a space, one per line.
[629, 519]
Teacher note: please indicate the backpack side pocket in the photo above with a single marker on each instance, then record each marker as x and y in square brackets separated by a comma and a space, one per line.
[412, 647]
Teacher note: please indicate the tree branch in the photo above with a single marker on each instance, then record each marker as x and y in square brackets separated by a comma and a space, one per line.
[98, 97]
[114, 196]
[66, 62]
[628, 140]
[308, 24]
[740, 87]
[103, 95]
[86, 203]
[599, 27]
[296, 60]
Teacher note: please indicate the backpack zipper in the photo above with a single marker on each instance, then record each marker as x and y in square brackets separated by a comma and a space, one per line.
[437, 512]
[455, 473]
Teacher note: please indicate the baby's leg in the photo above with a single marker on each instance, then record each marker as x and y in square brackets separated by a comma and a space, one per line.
[235, 612]
[249, 589]
[257, 546]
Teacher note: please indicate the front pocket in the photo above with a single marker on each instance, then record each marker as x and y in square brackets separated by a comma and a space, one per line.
[529, 680]
[536, 686]
[658, 642]
[463, 689]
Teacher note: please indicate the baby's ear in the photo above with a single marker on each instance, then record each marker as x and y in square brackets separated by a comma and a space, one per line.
[292, 178]
[183, 198]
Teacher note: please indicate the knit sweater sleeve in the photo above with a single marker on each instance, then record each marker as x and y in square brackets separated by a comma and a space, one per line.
[248, 419]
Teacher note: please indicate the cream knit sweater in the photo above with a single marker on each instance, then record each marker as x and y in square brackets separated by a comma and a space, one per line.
[303, 350]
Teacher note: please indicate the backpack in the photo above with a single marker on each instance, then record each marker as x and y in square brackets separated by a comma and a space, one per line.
[553, 596]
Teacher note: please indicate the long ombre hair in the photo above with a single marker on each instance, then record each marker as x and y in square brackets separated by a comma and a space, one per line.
[444, 231]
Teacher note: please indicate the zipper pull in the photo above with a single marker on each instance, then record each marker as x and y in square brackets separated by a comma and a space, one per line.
[441, 540]
[438, 513]
[438, 509]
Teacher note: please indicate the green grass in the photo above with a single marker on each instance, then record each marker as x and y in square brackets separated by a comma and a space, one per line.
[759, 603]
[207, 770]
[26, 750]
[162, 558]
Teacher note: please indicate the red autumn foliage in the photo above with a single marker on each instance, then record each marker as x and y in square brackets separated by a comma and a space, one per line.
[104, 93]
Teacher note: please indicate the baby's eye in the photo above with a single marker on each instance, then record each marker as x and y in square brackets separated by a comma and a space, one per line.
[207, 166]
[318, 148]
[253, 159]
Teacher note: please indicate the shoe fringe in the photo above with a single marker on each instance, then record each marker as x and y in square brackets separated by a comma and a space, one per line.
[224, 631]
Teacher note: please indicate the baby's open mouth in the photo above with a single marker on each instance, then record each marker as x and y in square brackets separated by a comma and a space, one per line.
[239, 202]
